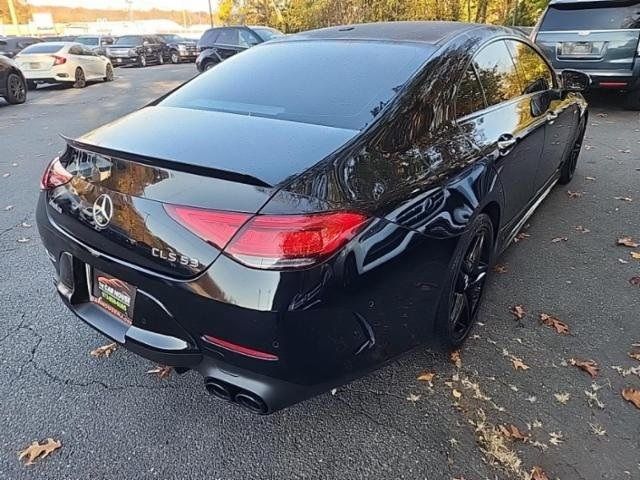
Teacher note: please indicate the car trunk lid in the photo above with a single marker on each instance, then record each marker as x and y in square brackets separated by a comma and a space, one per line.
[34, 61]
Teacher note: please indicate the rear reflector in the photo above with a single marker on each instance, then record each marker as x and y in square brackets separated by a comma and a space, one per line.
[54, 175]
[613, 84]
[246, 351]
[272, 241]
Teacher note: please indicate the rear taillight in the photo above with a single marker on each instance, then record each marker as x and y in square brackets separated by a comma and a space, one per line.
[57, 60]
[272, 241]
[54, 175]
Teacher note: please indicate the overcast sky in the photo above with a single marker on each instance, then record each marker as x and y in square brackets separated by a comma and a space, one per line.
[193, 5]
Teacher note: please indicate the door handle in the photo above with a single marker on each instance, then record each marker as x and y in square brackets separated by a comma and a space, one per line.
[506, 142]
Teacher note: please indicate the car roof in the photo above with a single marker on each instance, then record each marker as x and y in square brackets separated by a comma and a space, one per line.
[418, 31]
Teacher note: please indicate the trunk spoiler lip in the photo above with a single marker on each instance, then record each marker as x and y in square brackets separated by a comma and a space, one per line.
[168, 164]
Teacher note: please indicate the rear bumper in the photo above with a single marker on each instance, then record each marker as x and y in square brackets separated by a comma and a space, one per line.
[322, 333]
[120, 61]
[48, 77]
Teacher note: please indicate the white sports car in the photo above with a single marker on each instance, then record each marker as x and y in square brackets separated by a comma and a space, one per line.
[59, 62]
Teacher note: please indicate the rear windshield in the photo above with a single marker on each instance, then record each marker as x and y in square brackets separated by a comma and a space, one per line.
[128, 40]
[43, 48]
[341, 85]
[592, 17]
[87, 40]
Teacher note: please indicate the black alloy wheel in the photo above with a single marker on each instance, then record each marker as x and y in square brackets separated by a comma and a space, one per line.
[569, 166]
[80, 79]
[108, 73]
[175, 58]
[142, 60]
[16, 89]
[463, 292]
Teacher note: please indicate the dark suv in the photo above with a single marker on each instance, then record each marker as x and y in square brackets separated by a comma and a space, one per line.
[11, 46]
[179, 48]
[139, 50]
[596, 37]
[218, 44]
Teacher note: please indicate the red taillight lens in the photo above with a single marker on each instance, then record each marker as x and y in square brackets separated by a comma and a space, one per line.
[54, 175]
[272, 241]
[58, 60]
[240, 349]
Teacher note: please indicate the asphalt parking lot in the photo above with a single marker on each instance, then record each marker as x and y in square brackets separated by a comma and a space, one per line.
[117, 421]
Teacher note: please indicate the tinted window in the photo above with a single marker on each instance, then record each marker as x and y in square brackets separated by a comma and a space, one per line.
[247, 39]
[267, 33]
[306, 81]
[576, 17]
[3, 43]
[128, 40]
[534, 72]
[87, 40]
[43, 48]
[497, 73]
[209, 37]
[469, 97]
[228, 36]
[76, 50]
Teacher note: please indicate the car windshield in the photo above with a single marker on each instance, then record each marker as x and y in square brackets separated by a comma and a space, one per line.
[129, 40]
[593, 17]
[43, 48]
[87, 40]
[319, 82]
[172, 38]
[268, 33]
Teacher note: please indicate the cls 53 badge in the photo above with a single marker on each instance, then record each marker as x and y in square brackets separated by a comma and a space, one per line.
[173, 257]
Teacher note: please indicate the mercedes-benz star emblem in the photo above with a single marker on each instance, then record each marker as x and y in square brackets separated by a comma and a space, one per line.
[102, 210]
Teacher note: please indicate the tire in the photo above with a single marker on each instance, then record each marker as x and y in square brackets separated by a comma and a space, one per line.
[175, 57]
[571, 162]
[108, 75]
[160, 59]
[208, 65]
[142, 61]
[16, 89]
[632, 100]
[31, 85]
[464, 286]
[80, 79]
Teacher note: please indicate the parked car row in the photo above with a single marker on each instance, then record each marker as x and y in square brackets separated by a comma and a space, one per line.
[141, 50]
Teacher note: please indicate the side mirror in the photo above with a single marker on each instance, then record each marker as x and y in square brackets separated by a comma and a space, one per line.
[575, 81]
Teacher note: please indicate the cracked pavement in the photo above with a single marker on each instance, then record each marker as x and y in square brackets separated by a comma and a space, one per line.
[116, 421]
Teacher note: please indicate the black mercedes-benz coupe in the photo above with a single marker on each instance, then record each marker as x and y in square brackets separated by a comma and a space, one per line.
[313, 207]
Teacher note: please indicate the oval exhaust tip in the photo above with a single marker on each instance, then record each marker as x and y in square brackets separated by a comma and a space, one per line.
[219, 390]
[251, 402]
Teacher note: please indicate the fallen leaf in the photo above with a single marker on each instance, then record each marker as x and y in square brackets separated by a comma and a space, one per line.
[499, 268]
[412, 397]
[588, 366]
[597, 429]
[592, 179]
[592, 399]
[635, 255]
[624, 199]
[36, 451]
[624, 262]
[5, 175]
[538, 474]
[628, 242]
[104, 351]
[559, 239]
[521, 236]
[426, 377]
[456, 393]
[456, 359]
[631, 395]
[511, 431]
[23, 240]
[556, 438]
[558, 325]
[518, 364]
[334, 391]
[161, 371]
[563, 397]
[582, 229]
[635, 355]
[518, 311]
[574, 194]
[635, 281]
[603, 115]
[25, 225]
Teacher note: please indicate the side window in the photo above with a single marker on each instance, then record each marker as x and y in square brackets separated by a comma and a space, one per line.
[228, 36]
[497, 72]
[75, 50]
[210, 37]
[469, 96]
[247, 39]
[533, 70]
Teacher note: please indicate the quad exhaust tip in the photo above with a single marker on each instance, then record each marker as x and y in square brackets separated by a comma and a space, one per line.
[243, 398]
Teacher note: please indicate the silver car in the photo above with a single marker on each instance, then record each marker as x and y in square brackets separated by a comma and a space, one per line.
[63, 62]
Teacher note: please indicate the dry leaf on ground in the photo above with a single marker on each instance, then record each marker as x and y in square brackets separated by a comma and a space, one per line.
[161, 371]
[426, 377]
[588, 366]
[104, 351]
[624, 199]
[499, 268]
[412, 397]
[518, 364]
[635, 355]
[635, 281]
[560, 239]
[456, 393]
[582, 229]
[538, 474]
[36, 451]
[521, 236]
[628, 242]
[558, 325]
[456, 359]
[511, 431]
[631, 395]
[562, 397]
[518, 311]
[574, 194]
[635, 255]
